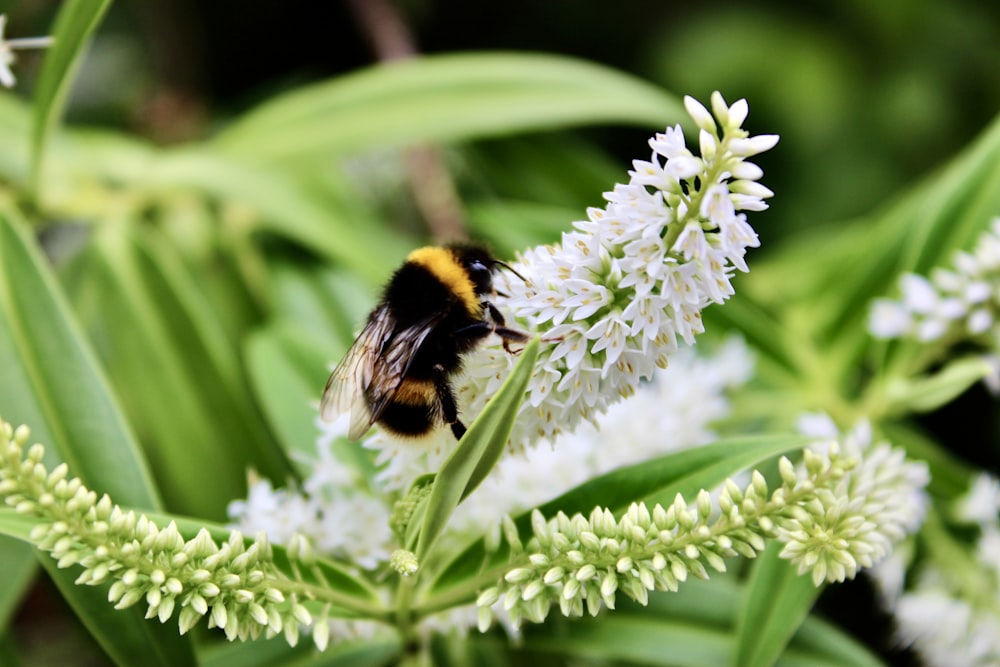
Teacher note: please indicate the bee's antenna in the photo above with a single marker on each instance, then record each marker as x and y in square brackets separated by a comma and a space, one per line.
[509, 268]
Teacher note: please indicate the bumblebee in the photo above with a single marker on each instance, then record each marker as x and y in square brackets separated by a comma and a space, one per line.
[398, 372]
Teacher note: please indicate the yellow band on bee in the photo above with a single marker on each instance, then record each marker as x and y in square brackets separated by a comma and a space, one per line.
[443, 264]
[415, 392]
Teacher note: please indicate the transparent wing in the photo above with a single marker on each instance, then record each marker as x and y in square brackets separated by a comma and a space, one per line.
[346, 390]
[365, 381]
[393, 363]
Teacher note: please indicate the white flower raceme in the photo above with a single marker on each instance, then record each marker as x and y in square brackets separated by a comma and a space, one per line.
[634, 277]
[7, 47]
[961, 301]
[947, 612]
[620, 290]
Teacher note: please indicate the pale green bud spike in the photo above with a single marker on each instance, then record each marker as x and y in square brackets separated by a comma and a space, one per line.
[404, 562]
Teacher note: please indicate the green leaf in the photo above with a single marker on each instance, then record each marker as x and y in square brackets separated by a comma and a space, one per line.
[287, 208]
[381, 650]
[657, 480]
[927, 393]
[52, 383]
[818, 637]
[19, 565]
[716, 604]
[444, 98]
[194, 408]
[478, 451]
[640, 640]
[74, 25]
[775, 603]
[669, 633]
[661, 479]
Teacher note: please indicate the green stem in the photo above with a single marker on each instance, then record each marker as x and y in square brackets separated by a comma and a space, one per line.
[404, 613]
[466, 592]
[332, 596]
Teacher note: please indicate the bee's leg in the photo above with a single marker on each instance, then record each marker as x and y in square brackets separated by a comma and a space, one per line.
[446, 398]
[511, 334]
[505, 333]
[495, 314]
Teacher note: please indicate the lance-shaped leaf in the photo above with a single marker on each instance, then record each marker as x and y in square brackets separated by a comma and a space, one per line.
[776, 602]
[74, 25]
[477, 452]
[53, 383]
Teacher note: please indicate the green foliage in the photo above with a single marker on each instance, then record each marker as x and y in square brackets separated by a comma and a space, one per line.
[72, 30]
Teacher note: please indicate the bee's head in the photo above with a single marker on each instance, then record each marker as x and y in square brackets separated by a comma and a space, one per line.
[479, 264]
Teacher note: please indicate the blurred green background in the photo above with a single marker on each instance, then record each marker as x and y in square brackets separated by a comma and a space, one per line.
[866, 95]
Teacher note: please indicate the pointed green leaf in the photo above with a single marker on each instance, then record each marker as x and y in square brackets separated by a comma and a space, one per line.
[19, 565]
[52, 382]
[444, 98]
[74, 25]
[478, 450]
[776, 602]
[639, 640]
[928, 393]
[375, 652]
[659, 480]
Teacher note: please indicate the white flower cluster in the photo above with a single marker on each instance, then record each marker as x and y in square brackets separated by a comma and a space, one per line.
[634, 277]
[7, 47]
[963, 300]
[951, 615]
[331, 510]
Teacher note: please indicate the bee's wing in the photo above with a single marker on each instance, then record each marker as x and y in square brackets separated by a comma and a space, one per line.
[365, 381]
[346, 390]
[394, 361]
